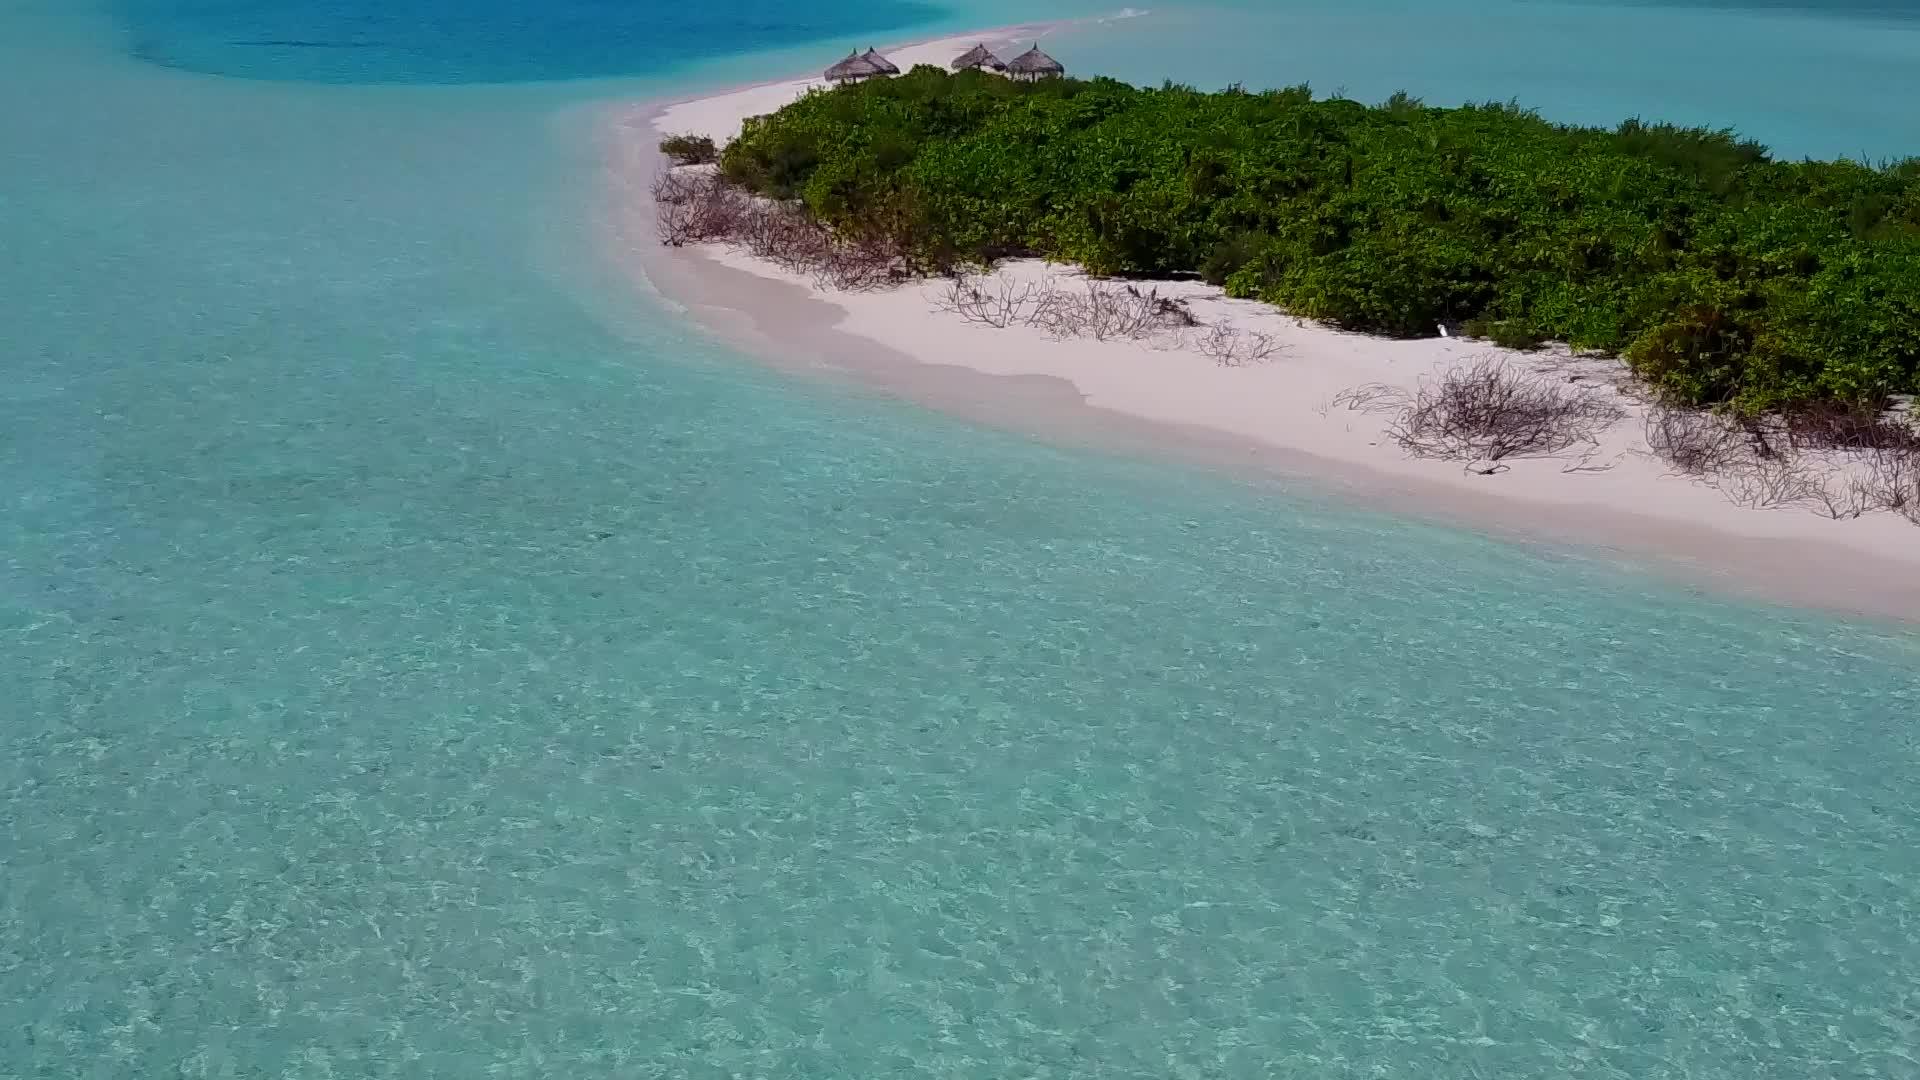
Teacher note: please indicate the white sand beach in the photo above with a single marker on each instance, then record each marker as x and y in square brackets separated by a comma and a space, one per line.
[1283, 413]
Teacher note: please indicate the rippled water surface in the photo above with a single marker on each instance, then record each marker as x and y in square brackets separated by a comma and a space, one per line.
[407, 674]
[1805, 77]
[438, 41]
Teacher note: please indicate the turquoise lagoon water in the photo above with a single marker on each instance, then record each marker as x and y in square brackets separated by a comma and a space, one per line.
[366, 41]
[1806, 77]
[420, 659]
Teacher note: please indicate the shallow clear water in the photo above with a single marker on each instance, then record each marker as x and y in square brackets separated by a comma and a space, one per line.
[407, 674]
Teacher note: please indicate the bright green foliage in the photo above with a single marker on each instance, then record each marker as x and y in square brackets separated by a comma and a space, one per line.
[1721, 274]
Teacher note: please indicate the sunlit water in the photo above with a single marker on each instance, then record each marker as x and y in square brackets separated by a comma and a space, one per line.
[1807, 78]
[402, 673]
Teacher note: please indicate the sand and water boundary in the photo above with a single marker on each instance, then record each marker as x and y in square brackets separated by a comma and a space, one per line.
[1279, 420]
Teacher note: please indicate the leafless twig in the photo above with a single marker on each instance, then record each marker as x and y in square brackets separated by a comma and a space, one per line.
[1105, 313]
[1230, 346]
[998, 302]
[1760, 482]
[1488, 411]
[1372, 398]
[694, 206]
[1695, 442]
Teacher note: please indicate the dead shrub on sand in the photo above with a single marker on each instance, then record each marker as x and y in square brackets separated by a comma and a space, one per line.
[1695, 442]
[1229, 346]
[868, 261]
[785, 236]
[1769, 482]
[1890, 481]
[1841, 496]
[693, 206]
[995, 301]
[1371, 398]
[1099, 311]
[1860, 458]
[1105, 313]
[1839, 461]
[1848, 427]
[696, 206]
[1489, 411]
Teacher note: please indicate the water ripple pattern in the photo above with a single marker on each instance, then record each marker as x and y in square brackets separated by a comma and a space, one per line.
[404, 675]
[481, 41]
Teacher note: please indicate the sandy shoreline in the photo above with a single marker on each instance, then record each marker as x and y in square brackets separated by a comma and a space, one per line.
[1279, 417]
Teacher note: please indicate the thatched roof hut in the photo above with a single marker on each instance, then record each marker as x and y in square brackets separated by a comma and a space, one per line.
[978, 59]
[880, 63]
[854, 68]
[1034, 64]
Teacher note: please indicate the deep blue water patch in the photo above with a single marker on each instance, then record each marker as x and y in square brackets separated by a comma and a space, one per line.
[440, 41]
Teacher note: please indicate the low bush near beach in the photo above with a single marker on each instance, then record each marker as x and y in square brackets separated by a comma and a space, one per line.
[690, 149]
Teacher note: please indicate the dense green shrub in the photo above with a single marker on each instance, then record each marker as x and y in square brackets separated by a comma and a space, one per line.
[1721, 274]
[690, 149]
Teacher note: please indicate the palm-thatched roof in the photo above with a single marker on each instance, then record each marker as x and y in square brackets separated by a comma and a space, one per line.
[1034, 64]
[884, 65]
[853, 67]
[978, 57]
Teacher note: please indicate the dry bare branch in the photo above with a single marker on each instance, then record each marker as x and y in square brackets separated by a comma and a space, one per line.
[1105, 313]
[1889, 479]
[1848, 427]
[1488, 411]
[998, 302]
[1839, 462]
[1372, 398]
[784, 235]
[1230, 346]
[694, 206]
[869, 261]
[1766, 482]
[1694, 441]
[1585, 462]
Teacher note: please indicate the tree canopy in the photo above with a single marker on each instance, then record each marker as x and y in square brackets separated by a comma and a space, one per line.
[1720, 273]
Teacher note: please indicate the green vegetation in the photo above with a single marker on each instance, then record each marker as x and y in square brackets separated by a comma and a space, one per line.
[690, 149]
[1722, 275]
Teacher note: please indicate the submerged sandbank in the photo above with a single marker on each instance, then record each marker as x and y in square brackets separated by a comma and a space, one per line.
[1283, 414]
